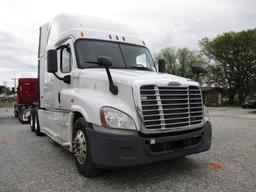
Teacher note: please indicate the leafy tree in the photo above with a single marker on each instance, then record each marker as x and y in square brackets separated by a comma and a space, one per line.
[180, 61]
[234, 54]
[4, 89]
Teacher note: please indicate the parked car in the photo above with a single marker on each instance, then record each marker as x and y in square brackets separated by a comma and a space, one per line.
[249, 104]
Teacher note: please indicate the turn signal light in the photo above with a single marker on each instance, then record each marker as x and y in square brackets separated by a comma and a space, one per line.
[102, 118]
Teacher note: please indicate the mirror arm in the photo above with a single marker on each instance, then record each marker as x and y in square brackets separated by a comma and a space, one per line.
[112, 88]
[57, 76]
[62, 79]
[197, 76]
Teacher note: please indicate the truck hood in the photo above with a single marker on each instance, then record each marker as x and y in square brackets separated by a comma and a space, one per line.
[128, 77]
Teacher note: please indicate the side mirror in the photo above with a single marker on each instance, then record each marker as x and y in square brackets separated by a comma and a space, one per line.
[198, 69]
[67, 79]
[161, 66]
[104, 61]
[52, 66]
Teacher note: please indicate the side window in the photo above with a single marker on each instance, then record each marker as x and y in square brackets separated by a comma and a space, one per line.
[141, 60]
[65, 60]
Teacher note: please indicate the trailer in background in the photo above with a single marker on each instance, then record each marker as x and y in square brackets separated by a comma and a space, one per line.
[27, 98]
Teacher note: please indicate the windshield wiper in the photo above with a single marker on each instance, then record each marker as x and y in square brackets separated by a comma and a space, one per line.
[141, 68]
[91, 62]
[131, 67]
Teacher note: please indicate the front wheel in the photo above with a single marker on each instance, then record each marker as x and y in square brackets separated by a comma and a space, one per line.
[81, 149]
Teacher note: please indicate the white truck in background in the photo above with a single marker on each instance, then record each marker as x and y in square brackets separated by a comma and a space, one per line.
[104, 100]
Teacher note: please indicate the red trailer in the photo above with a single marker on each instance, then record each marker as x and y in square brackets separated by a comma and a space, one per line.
[27, 97]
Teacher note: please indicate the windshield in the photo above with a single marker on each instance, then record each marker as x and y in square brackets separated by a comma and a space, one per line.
[123, 55]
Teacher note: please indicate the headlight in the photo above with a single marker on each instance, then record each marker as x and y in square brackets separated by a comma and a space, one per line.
[206, 114]
[114, 118]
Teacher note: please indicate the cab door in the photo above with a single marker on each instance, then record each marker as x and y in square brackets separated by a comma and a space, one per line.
[66, 65]
[55, 85]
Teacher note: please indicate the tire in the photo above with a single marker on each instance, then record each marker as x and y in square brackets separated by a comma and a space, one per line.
[21, 111]
[181, 158]
[81, 149]
[32, 120]
[37, 125]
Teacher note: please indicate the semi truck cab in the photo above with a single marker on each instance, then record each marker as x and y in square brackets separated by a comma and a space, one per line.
[103, 98]
[27, 98]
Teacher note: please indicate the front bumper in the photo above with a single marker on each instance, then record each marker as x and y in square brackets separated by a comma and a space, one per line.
[112, 150]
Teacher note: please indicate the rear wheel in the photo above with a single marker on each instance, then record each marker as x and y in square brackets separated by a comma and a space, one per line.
[81, 149]
[21, 111]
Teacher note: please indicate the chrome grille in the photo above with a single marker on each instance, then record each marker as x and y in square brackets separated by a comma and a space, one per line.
[171, 107]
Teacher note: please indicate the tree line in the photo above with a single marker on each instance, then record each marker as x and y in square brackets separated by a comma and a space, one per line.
[229, 59]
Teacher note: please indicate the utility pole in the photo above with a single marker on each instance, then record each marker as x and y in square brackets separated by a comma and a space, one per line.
[14, 83]
[5, 87]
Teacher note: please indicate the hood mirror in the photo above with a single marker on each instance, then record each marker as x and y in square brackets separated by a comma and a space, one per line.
[107, 62]
[161, 66]
[104, 61]
[197, 69]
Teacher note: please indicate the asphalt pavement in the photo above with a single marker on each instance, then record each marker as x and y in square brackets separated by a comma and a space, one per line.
[29, 163]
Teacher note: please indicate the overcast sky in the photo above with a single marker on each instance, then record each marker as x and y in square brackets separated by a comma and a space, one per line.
[162, 23]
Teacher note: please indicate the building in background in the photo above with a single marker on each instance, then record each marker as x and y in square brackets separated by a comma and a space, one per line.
[212, 96]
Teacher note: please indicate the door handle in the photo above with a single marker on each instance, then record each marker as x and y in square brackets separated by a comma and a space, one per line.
[59, 97]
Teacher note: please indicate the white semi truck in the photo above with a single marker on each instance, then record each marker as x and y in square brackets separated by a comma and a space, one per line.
[104, 100]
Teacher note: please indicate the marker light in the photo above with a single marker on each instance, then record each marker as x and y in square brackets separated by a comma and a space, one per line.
[102, 118]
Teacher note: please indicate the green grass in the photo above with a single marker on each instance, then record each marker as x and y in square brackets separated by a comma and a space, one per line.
[8, 103]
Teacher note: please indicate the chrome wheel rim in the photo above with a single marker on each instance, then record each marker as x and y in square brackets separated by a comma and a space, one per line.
[79, 147]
